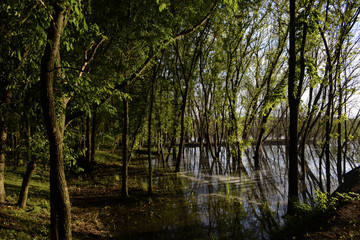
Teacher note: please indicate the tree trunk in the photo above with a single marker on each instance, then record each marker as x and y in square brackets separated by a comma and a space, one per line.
[93, 138]
[182, 129]
[294, 110]
[298, 95]
[260, 140]
[124, 186]
[328, 128]
[346, 138]
[339, 147]
[60, 227]
[87, 145]
[210, 145]
[26, 184]
[149, 133]
[3, 136]
[185, 94]
[2, 177]
[59, 196]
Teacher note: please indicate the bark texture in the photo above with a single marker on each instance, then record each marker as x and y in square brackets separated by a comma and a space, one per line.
[60, 227]
[3, 136]
[293, 196]
[124, 186]
[26, 184]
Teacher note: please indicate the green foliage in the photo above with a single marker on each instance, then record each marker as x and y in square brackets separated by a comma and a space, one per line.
[323, 205]
[239, 72]
[162, 6]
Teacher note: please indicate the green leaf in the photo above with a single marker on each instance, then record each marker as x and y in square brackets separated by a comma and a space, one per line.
[19, 55]
[162, 7]
[76, 9]
[85, 25]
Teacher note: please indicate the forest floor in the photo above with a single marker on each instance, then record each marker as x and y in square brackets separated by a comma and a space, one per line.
[93, 199]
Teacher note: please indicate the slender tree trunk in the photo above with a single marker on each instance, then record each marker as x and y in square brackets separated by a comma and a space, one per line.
[182, 129]
[60, 227]
[29, 171]
[93, 138]
[258, 149]
[2, 177]
[328, 127]
[124, 186]
[346, 139]
[320, 172]
[185, 94]
[294, 111]
[17, 142]
[26, 184]
[339, 146]
[149, 133]
[309, 125]
[339, 139]
[234, 135]
[172, 147]
[298, 95]
[3, 136]
[201, 141]
[87, 144]
[161, 137]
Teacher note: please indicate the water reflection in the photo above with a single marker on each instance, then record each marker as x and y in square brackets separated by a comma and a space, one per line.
[218, 199]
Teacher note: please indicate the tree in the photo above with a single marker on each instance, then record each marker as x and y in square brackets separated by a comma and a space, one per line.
[59, 195]
[3, 135]
[348, 14]
[294, 112]
[187, 69]
[21, 37]
[54, 106]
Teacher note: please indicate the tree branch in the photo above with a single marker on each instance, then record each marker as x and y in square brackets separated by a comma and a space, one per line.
[147, 62]
[47, 10]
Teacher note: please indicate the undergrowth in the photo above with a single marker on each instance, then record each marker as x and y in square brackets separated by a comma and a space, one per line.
[308, 217]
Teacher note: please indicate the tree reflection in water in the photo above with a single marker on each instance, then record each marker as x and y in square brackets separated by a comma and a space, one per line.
[220, 199]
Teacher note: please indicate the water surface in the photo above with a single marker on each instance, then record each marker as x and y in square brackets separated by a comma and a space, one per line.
[219, 199]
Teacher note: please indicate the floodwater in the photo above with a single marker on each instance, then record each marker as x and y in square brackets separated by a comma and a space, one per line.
[219, 199]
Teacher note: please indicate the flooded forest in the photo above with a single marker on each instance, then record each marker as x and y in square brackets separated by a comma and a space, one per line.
[161, 119]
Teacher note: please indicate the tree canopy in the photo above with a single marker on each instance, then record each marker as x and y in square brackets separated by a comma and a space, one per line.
[159, 74]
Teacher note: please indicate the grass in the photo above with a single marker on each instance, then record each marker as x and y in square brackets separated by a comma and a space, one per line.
[31, 222]
[108, 157]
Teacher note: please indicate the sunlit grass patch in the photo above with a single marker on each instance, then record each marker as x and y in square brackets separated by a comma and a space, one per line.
[31, 222]
[107, 157]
